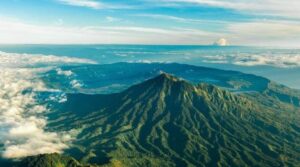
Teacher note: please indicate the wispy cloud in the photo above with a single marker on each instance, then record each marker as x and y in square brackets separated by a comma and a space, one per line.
[94, 4]
[180, 19]
[258, 32]
[112, 19]
[257, 7]
[12, 31]
[84, 3]
[268, 33]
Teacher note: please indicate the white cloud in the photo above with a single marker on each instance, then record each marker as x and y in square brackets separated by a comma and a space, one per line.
[76, 84]
[67, 73]
[288, 8]
[22, 130]
[266, 33]
[84, 3]
[22, 124]
[180, 19]
[60, 98]
[221, 42]
[13, 31]
[261, 32]
[95, 4]
[282, 60]
[23, 60]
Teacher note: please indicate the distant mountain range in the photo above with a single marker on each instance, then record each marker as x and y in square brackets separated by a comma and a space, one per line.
[217, 118]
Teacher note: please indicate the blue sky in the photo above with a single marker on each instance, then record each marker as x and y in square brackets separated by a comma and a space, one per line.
[240, 22]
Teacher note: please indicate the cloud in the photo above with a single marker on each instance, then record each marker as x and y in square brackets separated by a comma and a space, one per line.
[84, 3]
[256, 7]
[266, 33]
[288, 8]
[22, 124]
[23, 60]
[281, 60]
[284, 61]
[94, 4]
[221, 42]
[59, 97]
[180, 19]
[13, 31]
[67, 73]
[257, 32]
[76, 84]
[22, 131]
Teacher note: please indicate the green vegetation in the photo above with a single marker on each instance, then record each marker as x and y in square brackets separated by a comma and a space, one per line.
[56, 160]
[166, 121]
[49, 160]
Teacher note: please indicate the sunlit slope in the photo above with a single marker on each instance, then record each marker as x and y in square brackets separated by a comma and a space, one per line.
[166, 121]
[49, 160]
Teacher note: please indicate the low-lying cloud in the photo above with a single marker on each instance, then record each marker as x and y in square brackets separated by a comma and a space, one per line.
[248, 59]
[25, 60]
[74, 83]
[22, 124]
[22, 129]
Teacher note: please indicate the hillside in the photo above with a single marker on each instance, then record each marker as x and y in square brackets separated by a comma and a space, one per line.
[167, 121]
[49, 160]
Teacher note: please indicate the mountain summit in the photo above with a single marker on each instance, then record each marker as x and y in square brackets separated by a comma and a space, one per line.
[166, 121]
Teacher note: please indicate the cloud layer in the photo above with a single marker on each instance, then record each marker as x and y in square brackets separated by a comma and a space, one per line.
[22, 130]
[22, 124]
[283, 60]
[23, 60]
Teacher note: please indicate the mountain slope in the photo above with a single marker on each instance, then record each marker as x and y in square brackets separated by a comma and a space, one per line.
[166, 121]
[49, 160]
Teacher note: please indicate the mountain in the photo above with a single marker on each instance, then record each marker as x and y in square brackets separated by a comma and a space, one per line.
[117, 77]
[168, 121]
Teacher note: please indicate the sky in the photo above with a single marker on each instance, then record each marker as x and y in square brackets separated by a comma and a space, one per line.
[182, 22]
